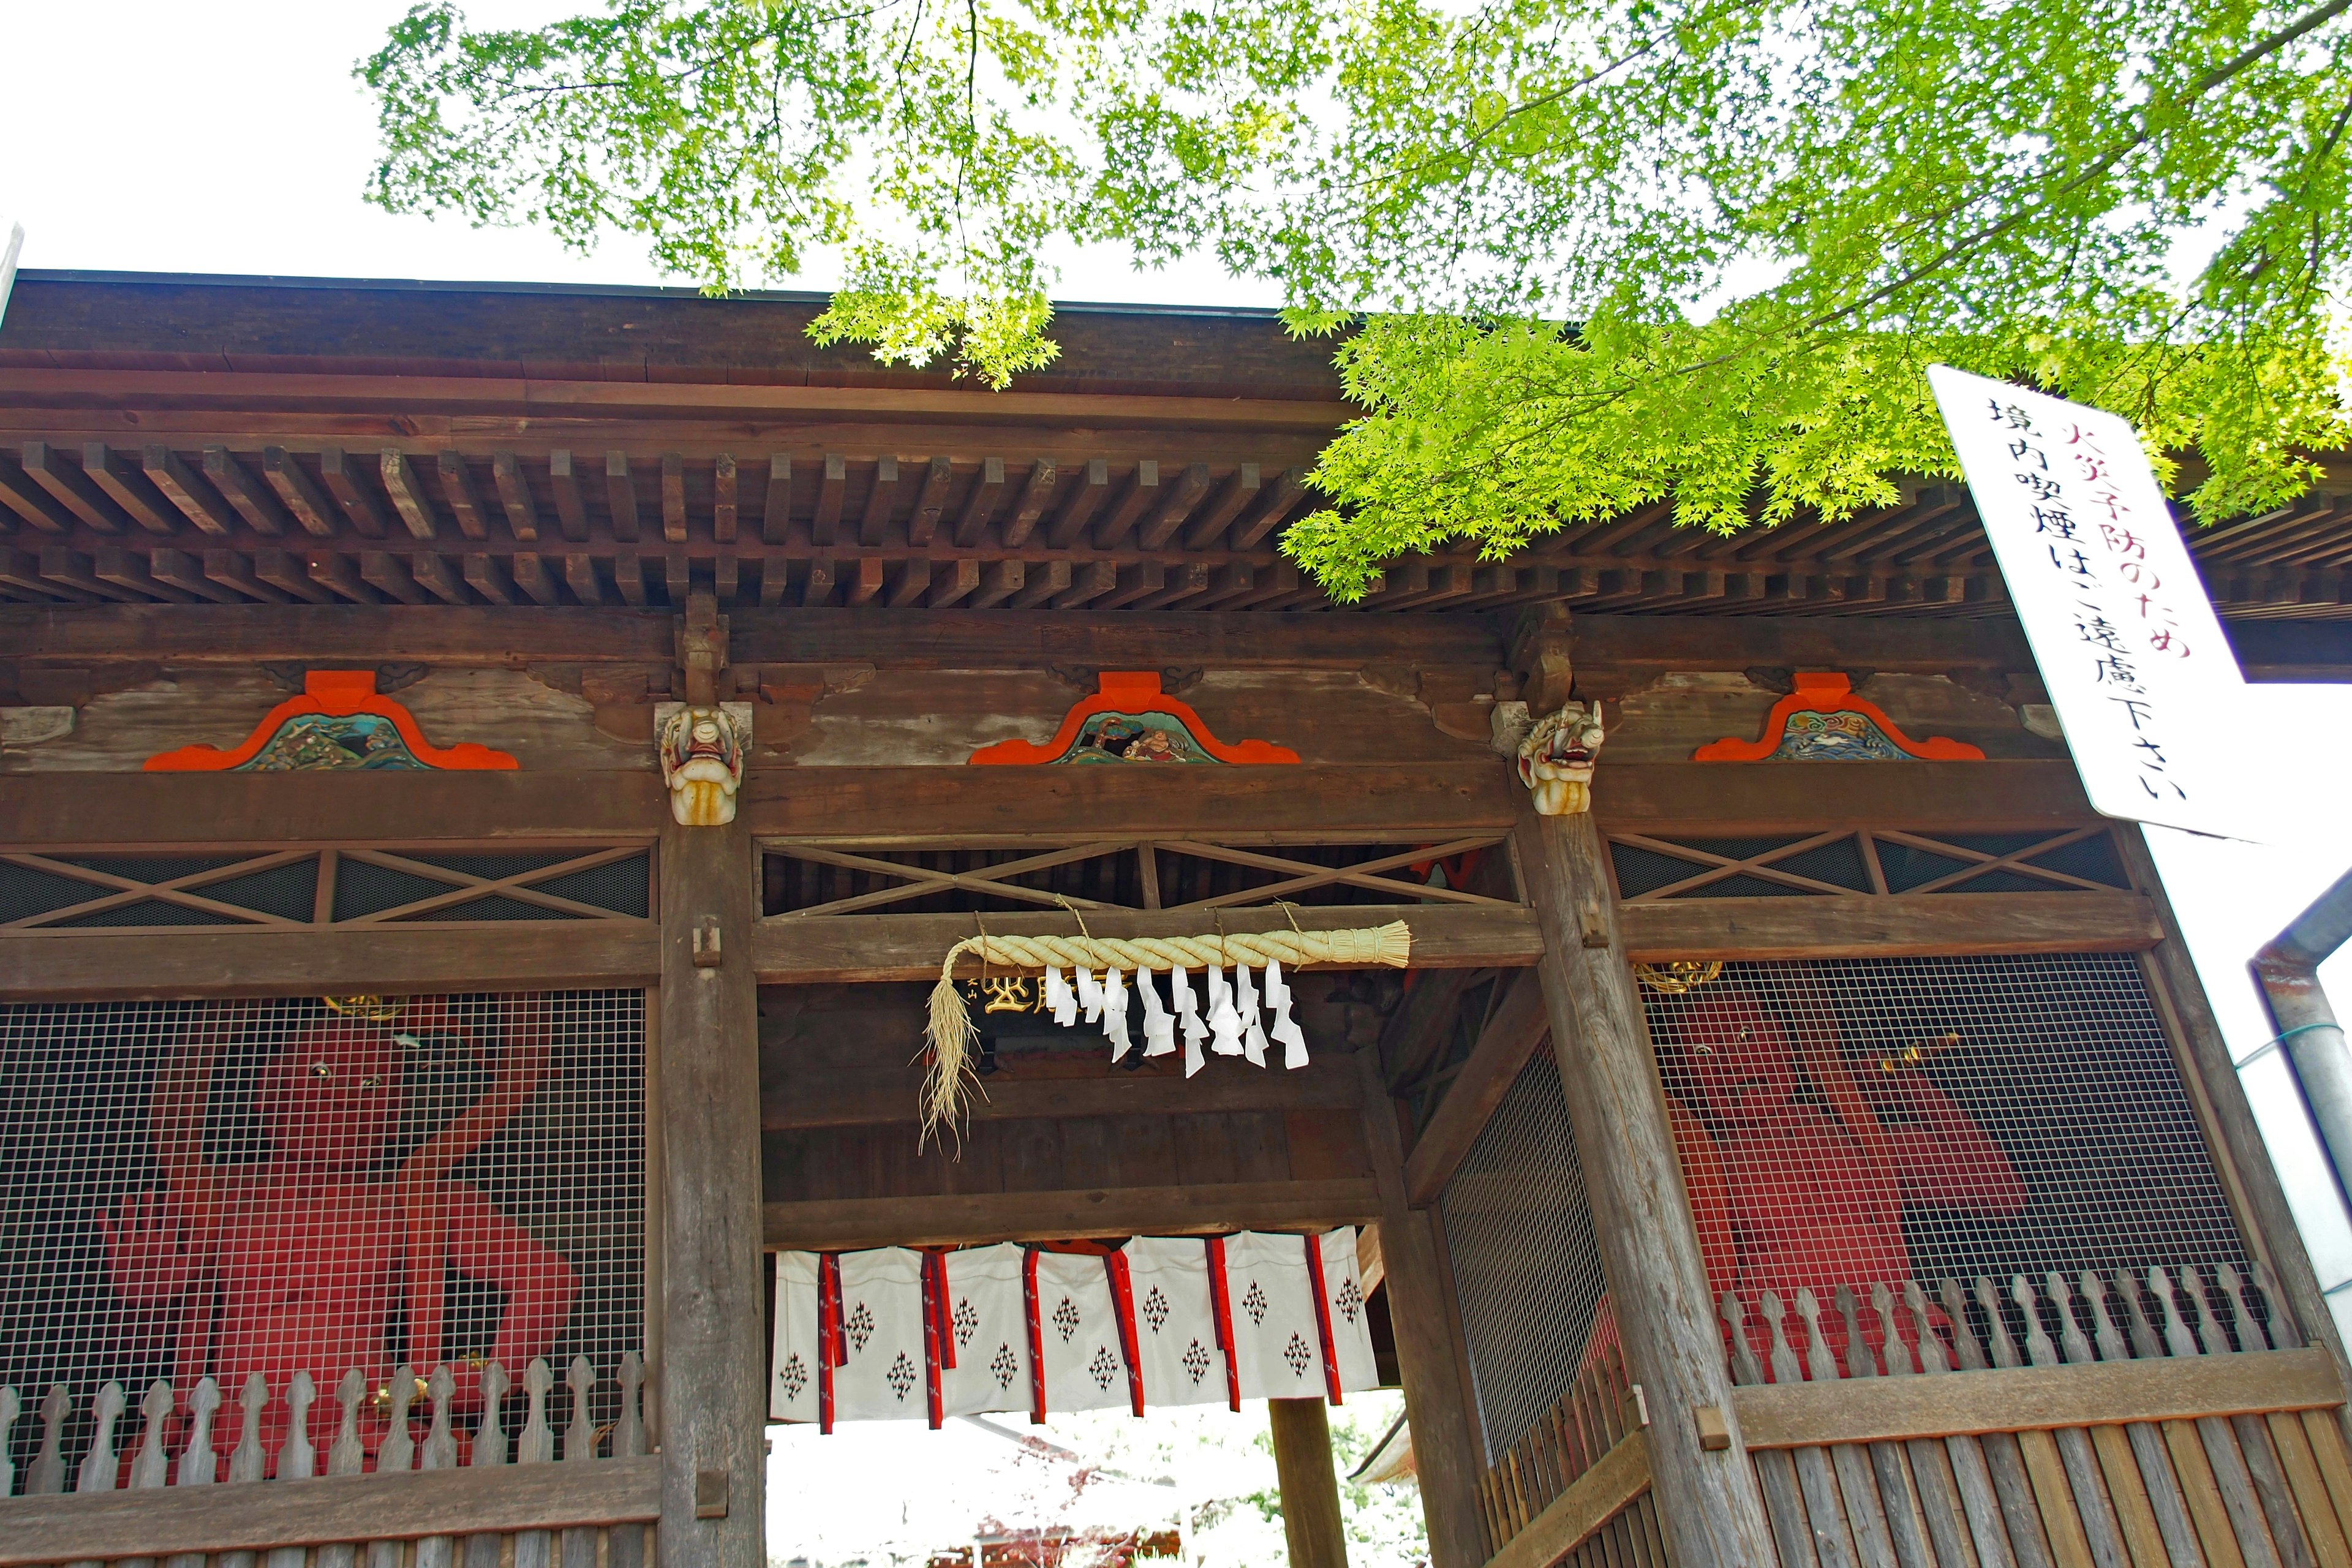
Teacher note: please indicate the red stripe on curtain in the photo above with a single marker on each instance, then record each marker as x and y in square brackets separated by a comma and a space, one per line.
[1221, 1302]
[1036, 1338]
[830, 1351]
[1122, 1307]
[934, 1313]
[1322, 1316]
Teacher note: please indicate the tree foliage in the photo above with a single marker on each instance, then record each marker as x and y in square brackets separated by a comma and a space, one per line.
[1577, 253]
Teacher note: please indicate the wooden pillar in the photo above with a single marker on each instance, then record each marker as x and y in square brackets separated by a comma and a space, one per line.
[713, 1410]
[1437, 1404]
[1709, 1504]
[1310, 1485]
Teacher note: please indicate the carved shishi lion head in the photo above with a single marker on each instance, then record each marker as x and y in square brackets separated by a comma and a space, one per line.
[702, 765]
[1557, 756]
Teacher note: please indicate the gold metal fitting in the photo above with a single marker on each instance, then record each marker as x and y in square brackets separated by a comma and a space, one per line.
[1678, 975]
[368, 1009]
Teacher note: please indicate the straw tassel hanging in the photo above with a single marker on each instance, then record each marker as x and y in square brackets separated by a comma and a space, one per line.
[951, 1033]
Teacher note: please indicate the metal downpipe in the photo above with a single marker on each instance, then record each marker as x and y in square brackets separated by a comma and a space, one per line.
[2288, 971]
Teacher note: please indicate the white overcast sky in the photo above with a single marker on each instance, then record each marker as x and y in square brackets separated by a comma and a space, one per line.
[231, 138]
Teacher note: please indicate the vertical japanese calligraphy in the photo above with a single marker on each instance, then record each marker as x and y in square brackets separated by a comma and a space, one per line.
[2119, 623]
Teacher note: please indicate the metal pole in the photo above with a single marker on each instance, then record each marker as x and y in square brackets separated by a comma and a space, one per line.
[2288, 971]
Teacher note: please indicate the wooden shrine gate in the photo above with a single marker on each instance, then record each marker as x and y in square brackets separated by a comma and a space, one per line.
[527, 523]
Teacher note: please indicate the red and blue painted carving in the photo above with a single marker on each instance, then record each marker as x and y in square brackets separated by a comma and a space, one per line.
[1129, 720]
[1823, 721]
[338, 724]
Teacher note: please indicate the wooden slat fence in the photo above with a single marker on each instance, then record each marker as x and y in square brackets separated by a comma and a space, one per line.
[2164, 1419]
[1574, 1487]
[444, 1497]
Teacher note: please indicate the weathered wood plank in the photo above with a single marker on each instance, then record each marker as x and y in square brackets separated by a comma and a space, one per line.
[206, 810]
[1732, 798]
[856, 949]
[404, 1505]
[1595, 1498]
[2018, 1399]
[798, 1102]
[445, 397]
[1900, 925]
[92, 966]
[1328, 803]
[1513, 1033]
[713, 1374]
[906, 640]
[845, 1224]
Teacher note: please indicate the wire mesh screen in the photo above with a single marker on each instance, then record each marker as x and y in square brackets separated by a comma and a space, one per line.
[1527, 1264]
[1866, 1120]
[193, 1190]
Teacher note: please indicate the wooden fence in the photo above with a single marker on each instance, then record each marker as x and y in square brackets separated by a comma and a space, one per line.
[154, 1496]
[1575, 1487]
[2163, 1420]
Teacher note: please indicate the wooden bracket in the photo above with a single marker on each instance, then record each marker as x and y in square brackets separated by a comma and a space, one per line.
[701, 649]
[711, 1494]
[1596, 926]
[1714, 1433]
[706, 944]
[1543, 648]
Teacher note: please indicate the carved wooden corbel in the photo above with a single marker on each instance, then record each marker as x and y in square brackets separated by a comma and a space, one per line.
[1552, 741]
[702, 740]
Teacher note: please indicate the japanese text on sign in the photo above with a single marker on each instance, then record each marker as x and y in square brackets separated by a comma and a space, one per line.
[2119, 623]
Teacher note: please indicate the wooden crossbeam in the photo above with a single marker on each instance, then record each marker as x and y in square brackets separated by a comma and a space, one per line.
[1727, 866]
[1365, 874]
[2035, 1398]
[126, 890]
[973, 1219]
[1899, 925]
[2014, 860]
[480, 1502]
[516, 885]
[859, 949]
[922, 881]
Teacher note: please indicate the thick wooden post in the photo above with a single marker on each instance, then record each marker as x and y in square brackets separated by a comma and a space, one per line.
[1437, 1407]
[713, 1412]
[1310, 1485]
[1709, 1504]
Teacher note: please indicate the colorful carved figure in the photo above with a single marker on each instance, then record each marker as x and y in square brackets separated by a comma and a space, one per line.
[1129, 720]
[1810, 737]
[1798, 1169]
[309, 1259]
[702, 764]
[1555, 758]
[1136, 738]
[341, 723]
[1821, 721]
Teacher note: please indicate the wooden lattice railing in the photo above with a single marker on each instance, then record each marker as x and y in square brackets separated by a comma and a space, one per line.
[392, 1499]
[1574, 1487]
[2170, 1417]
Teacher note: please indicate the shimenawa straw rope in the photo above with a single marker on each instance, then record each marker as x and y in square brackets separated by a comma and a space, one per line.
[951, 1033]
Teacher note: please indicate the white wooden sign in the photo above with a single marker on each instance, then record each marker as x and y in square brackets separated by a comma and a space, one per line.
[2119, 620]
[11, 248]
